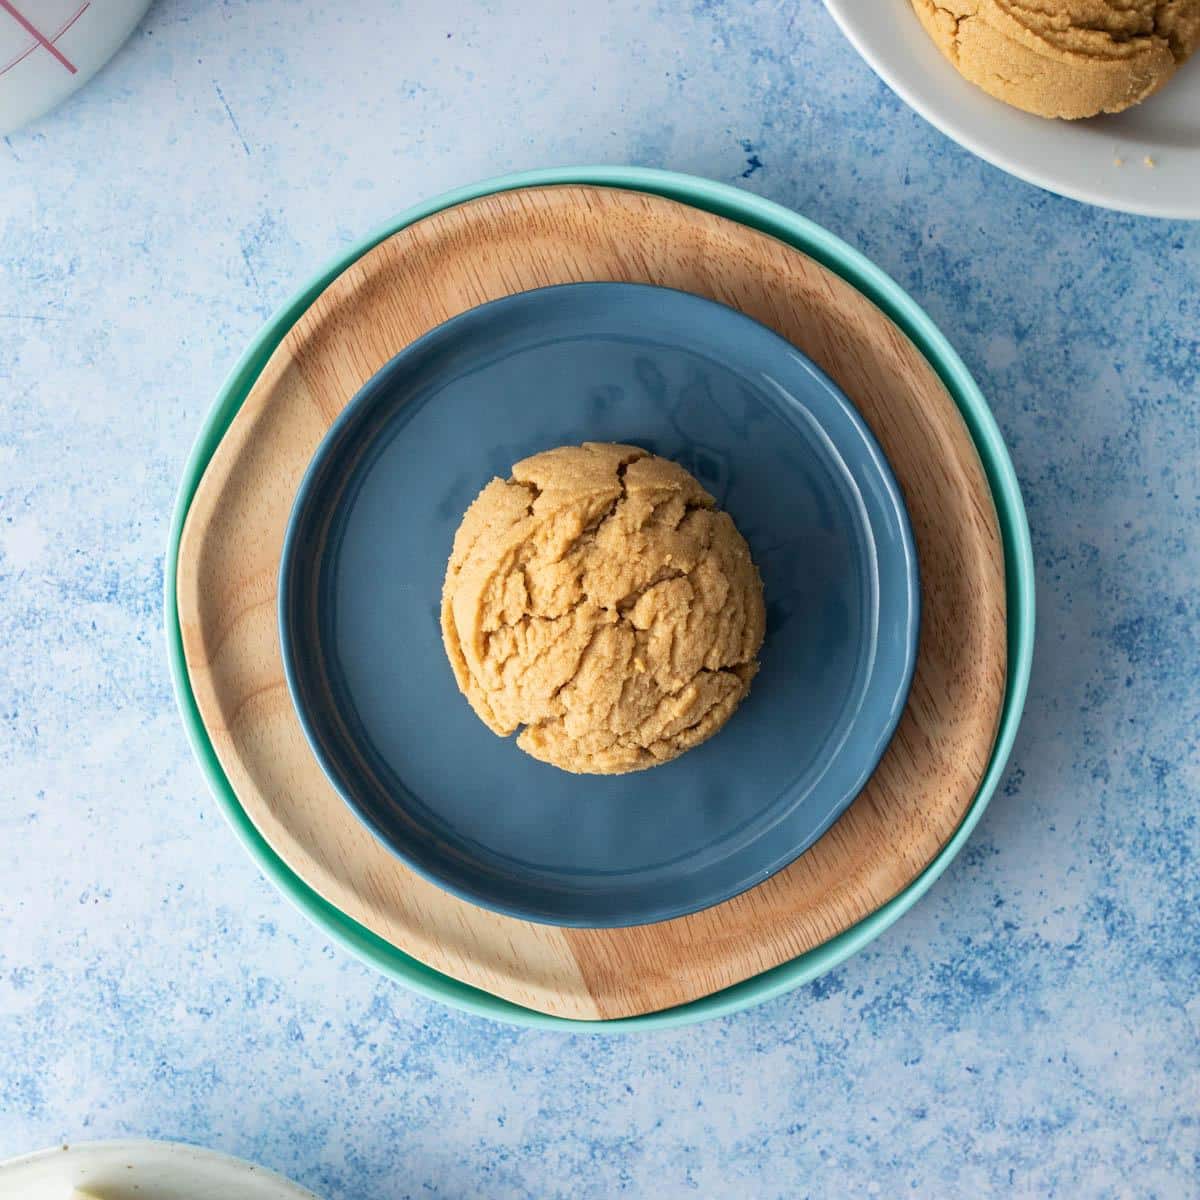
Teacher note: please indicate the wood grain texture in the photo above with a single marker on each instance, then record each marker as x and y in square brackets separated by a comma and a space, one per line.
[510, 243]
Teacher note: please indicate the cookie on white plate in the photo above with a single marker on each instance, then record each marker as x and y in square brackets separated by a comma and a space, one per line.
[1064, 58]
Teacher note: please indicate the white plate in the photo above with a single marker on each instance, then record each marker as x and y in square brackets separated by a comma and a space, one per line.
[141, 1170]
[1073, 158]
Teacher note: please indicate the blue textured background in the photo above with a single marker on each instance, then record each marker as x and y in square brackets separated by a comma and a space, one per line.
[1029, 1030]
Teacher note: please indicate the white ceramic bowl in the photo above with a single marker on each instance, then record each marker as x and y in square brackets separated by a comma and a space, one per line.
[49, 48]
[141, 1170]
[1101, 161]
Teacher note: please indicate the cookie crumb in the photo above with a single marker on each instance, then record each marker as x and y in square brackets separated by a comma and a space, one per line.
[1149, 162]
[1118, 161]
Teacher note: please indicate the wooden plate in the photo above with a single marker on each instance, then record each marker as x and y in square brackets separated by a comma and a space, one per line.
[496, 246]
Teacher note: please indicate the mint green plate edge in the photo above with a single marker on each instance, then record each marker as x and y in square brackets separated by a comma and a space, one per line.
[813, 240]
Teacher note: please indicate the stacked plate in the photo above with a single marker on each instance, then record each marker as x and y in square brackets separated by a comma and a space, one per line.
[824, 412]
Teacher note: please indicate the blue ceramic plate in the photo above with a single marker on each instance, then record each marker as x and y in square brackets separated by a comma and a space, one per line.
[782, 451]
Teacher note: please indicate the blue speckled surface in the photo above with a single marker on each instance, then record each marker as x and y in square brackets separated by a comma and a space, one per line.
[1030, 1029]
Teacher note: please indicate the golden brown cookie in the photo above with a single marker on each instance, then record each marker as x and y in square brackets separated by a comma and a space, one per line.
[1064, 58]
[599, 600]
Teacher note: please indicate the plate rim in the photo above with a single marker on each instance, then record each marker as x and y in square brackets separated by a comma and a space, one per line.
[141, 1147]
[800, 233]
[848, 15]
[360, 407]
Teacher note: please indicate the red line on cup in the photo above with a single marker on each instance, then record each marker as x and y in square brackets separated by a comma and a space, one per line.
[20, 58]
[82, 9]
[29, 27]
[12, 62]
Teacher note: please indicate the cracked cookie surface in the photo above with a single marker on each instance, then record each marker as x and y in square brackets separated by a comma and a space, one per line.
[599, 602]
[1064, 58]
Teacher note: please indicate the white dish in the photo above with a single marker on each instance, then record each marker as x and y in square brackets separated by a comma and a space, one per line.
[1100, 161]
[141, 1170]
[49, 48]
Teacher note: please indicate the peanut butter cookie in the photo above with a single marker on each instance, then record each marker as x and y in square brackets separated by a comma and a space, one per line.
[1064, 58]
[598, 602]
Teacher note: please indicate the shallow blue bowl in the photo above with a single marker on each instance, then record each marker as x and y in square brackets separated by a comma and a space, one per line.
[781, 449]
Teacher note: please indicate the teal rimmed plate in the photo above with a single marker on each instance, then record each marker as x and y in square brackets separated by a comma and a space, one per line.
[834, 254]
